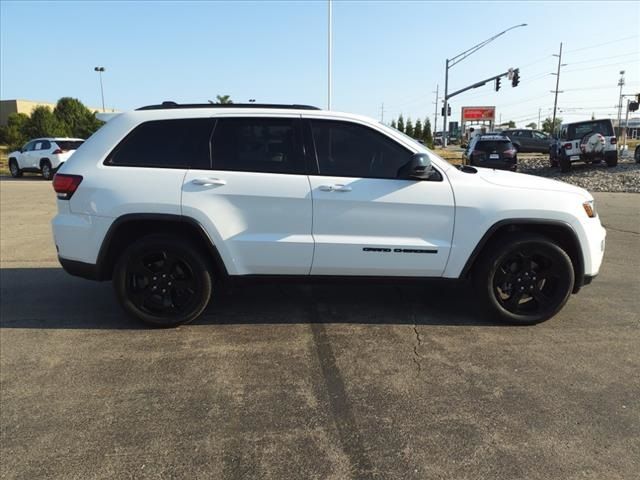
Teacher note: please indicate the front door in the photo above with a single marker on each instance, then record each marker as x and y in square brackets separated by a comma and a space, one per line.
[366, 220]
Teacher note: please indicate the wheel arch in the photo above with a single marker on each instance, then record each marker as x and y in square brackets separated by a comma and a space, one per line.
[44, 159]
[558, 231]
[130, 227]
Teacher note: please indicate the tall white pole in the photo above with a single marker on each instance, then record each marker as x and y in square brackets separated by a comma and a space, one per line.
[330, 53]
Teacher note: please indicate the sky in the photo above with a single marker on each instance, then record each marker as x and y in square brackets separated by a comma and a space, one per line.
[384, 52]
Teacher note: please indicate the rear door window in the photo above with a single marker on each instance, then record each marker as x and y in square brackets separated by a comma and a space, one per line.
[180, 143]
[268, 145]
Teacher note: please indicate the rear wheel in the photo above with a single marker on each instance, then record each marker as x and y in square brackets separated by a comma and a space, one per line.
[565, 163]
[14, 169]
[636, 155]
[612, 160]
[47, 171]
[525, 279]
[163, 280]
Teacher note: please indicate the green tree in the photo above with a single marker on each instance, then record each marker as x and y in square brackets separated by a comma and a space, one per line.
[393, 124]
[547, 125]
[532, 125]
[78, 119]
[417, 131]
[401, 123]
[43, 123]
[408, 129]
[223, 99]
[509, 124]
[427, 135]
[13, 134]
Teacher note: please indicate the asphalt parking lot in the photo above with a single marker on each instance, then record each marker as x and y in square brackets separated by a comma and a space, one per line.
[327, 381]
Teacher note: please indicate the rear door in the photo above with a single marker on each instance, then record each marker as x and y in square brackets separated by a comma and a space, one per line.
[366, 220]
[254, 199]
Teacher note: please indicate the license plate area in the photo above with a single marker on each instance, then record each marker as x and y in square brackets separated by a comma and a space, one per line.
[574, 157]
[494, 156]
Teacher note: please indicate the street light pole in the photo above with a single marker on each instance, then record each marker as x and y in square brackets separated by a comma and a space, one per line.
[435, 116]
[100, 70]
[453, 61]
[620, 84]
[330, 53]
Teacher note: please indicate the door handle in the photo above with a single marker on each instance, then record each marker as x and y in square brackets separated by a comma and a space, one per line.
[335, 188]
[208, 182]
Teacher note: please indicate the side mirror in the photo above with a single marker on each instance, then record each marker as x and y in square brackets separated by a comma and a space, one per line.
[418, 167]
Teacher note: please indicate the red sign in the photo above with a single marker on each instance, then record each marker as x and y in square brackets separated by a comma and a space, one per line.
[478, 113]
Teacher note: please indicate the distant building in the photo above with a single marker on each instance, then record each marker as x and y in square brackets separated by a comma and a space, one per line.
[7, 107]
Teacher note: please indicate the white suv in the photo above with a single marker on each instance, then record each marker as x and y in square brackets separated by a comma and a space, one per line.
[42, 155]
[167, 200]
[589, 141]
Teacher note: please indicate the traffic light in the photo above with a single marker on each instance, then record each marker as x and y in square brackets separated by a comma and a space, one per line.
[448, 111]
[497, 84]
[516, 78]
[633, 106]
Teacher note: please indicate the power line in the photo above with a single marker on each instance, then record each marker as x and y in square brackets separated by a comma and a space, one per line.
[595, 67]
[601, 44]
[609, 57]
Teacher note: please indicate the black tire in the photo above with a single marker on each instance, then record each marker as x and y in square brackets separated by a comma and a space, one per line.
[163, 280]
[14, 169]
[636, 154]
[524, 279]
[46, 169]
[565, 163]
[612, 160]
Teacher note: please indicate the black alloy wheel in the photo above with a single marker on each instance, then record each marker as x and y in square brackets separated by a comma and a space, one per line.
[527, 280]
[163, 281]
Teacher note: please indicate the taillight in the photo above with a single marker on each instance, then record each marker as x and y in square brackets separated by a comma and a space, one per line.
[57, 151]
[509, 153]
[66, 185]
[613, 141]
[567, 146]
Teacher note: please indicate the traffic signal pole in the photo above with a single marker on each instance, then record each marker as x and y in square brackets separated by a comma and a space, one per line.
[445, 140]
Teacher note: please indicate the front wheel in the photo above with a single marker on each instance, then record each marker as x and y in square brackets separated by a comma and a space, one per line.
[163, 280]
[14, 169]
[525, 279]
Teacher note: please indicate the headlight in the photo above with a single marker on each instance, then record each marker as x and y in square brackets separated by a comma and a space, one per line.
[590, 208]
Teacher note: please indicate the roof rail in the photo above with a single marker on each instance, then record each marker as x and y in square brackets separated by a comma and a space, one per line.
[169, 105]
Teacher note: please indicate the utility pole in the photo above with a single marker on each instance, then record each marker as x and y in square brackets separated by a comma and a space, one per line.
[382, 113]
[556, 91]
[620, 84]
[330, 53]
[539, 125]
[435, 116]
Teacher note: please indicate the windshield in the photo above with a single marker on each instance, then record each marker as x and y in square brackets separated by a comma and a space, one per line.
[69, 144]
[493, 146]
[579, 130]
